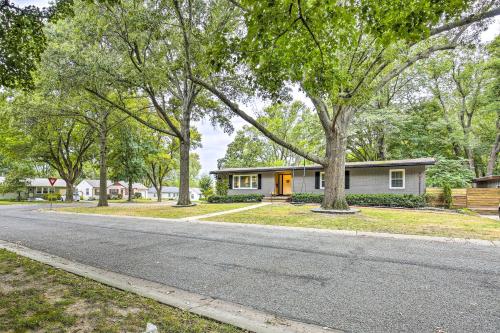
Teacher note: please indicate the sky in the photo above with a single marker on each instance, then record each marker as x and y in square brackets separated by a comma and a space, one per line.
[214, 140]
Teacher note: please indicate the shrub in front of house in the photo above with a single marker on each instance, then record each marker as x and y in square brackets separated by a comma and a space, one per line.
[377, 200]
[235, 198]
[51, 196]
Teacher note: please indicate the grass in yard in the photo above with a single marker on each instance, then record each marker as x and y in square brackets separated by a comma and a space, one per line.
[152, 210]
[36, 297]
[398, 221]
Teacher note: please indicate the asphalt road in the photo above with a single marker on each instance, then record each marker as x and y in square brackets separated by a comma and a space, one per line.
[356, 284]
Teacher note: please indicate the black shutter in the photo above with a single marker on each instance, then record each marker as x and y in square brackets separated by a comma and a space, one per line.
[316, 180]
[259, 181]
[347, 180]
[230, 182]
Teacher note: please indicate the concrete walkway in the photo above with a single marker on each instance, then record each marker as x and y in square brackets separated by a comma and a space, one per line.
[199, 217]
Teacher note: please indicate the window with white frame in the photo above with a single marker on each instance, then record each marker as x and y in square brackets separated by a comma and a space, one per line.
[245, 182]
[322, 180]
[397, 178]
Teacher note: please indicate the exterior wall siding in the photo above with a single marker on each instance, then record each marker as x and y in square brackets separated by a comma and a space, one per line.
[362, 181]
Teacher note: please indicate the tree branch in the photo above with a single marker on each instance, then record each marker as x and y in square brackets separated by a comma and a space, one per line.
[235, 108]
[465, 21]
[121, 108]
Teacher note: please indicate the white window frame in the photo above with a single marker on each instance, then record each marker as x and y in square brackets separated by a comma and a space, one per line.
[321, 180]
[238, 177]
[390, 179]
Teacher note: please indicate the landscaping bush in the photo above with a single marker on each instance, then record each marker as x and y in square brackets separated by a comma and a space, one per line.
[52, 196]
[379, 200]
[235, 198]
[221, 186]
[447, 197]
[137, 195]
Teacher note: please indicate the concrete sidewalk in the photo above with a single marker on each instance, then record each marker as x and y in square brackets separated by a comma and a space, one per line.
[204, 216]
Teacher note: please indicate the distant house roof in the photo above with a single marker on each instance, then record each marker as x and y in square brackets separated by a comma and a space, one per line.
[135, 186]
[165, 189]
[173, 189]
[195, 190]
[349, 165]
[486, 179]
[43, 182]
[95, 182]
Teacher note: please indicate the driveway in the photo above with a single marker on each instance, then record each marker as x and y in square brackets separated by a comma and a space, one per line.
[356, 284]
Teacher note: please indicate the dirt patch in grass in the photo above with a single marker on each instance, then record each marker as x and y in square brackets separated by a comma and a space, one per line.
[37, 298]
[400, 221]
[152, 210]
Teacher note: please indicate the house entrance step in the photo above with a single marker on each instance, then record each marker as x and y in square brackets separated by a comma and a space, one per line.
[277, 198]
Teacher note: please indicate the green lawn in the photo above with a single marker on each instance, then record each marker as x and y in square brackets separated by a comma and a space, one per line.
[156, 210]
[399, 221]
[37, 298]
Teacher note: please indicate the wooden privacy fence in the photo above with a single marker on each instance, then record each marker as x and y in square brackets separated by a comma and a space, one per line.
[484, 199]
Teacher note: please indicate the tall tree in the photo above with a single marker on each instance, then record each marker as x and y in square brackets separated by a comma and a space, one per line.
[160, 159]
[341, 55]
[22, 39]
[127, 156]
[493, 95]
[138, 53]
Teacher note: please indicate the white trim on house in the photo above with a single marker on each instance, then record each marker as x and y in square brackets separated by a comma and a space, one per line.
[253, 185]
[403, 171]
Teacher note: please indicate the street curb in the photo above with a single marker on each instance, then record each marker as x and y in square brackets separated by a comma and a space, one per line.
[352, 233]
[222, 311]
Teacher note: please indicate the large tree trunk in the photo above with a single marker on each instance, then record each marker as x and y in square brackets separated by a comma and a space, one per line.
[184, 174]
[158, 193]
[495, 149]
[69, 191]
[130, 190]
[103, 169]
[335, 170]
[184, 198]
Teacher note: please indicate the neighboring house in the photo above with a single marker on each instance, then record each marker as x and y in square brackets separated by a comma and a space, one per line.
[487, 182]
[136, 188]
[195, 193]
[89, 188]
[37, 187]
[172, 193]
[397, 176]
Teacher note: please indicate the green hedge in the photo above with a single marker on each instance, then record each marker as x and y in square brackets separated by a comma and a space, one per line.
[51, 196]
[235, 198]
[380, 200]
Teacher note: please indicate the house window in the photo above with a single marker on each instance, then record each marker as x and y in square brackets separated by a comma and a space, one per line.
[347, 180]
[397, 178]
[86, 191]
[245, 182]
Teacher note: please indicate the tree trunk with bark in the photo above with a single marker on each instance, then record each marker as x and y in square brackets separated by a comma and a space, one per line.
[495, 149]
[103, 168]
[69, 190]
[335, 171]
[184, 198]
[130, 190]
[158, 193]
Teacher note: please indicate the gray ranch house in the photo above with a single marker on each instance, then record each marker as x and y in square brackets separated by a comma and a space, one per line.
[396, 176]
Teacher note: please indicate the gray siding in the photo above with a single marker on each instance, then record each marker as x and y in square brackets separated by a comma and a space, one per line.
[362, 181]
